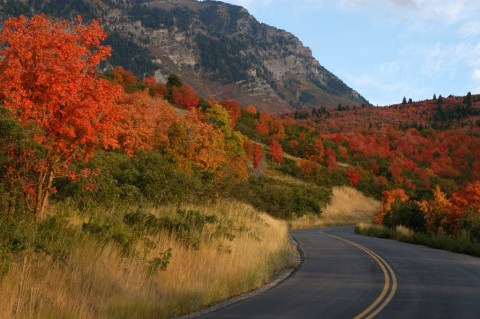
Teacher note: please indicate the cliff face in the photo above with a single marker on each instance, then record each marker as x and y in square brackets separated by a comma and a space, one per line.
[219, 49]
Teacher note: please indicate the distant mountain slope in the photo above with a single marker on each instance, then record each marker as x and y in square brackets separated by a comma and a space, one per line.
[219, 49]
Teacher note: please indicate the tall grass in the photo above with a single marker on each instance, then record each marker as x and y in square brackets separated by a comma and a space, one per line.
[347, 206]
[464, 244]
[99, 281]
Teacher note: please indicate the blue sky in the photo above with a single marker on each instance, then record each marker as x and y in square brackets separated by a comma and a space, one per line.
[386, 49]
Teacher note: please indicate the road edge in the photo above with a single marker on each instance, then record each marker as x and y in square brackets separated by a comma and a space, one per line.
[276, 280]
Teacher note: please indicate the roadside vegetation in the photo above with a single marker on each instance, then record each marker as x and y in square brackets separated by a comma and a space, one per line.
[140, 262]
[124, 197]
[462, 245]
[440, 222]
[348, 206]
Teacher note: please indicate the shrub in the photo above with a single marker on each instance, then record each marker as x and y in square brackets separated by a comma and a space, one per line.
[283, 200]
[407, 214]
[147, 177]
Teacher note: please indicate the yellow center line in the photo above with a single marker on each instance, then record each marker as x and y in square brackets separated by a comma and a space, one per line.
[389, 276]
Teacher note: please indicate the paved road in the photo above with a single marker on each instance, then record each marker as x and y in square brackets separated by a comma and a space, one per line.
[349, 276]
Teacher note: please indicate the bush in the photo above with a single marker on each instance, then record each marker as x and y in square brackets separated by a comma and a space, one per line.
[470, 223]
[147, 177]
[445, 242]
[281, 199]
[407, 214]
[53, 236]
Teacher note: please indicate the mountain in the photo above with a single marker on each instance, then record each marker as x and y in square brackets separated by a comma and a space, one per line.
[219, 49]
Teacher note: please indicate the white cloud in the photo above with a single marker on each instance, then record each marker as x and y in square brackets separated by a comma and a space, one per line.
[476, 75]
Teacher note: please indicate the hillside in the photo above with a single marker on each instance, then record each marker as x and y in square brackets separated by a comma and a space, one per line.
[219, 49]
[124, 197]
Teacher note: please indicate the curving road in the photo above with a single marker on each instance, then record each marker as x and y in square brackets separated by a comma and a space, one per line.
[345, 275]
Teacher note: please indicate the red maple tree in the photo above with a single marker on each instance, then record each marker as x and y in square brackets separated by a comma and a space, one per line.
[48, 79]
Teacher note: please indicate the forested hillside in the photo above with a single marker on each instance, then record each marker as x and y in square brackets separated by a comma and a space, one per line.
[110, 181]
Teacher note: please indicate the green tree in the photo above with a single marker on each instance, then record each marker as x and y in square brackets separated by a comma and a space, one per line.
[173, 81]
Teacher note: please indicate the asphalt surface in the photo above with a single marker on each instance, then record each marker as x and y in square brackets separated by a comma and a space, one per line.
[344, 275]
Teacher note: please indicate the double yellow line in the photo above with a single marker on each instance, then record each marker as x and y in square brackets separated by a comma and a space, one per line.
[389, 288]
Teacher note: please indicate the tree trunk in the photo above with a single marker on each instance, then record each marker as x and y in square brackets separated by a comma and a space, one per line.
[11, 206]
[44, 188]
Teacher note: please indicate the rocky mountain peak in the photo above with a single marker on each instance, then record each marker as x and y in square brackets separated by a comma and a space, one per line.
[219, 49]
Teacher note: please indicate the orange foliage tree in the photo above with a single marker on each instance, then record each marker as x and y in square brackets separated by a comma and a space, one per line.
[144, 123]
[439, 214]
[257, 156]
[276, 151]
[468, 198]
[193, 142]
[250, 109]
[331, 160]
[262, 124]
[48, 79]
[124, 77]
[233, 109]
[388, 198]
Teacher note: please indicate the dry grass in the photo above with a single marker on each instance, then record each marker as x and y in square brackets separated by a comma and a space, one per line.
[97, 282]
[348, 206]
[404, 231]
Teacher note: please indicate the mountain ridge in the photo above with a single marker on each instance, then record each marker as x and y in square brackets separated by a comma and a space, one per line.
[219, 49]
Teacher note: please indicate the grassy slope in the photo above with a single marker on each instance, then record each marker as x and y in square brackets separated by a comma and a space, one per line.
[96, 280]
[347, 206]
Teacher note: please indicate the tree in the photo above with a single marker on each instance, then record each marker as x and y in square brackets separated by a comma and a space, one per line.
[276, 151]
[218, 116]
[388, 199]
[124, 77]
[184, 96]
[257, 157]
[145, 123]
[331, 160]
[233, 109]
[251, 110]
[262, 124]
[353, 176]
[468, 99]
[439, 214]
[195, 143]
[276, 130]
[172, 81]
[48, 79]
[404, 101]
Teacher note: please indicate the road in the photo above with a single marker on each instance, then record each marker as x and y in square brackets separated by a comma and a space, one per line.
[345, 275]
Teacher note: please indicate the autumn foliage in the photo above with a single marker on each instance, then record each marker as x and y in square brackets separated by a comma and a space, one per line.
[50, 84]
[48, 80]
[388, 198]
[184, 96]
[276, 152]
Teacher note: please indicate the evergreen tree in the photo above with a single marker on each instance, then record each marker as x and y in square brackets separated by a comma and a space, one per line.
[173, 81]
[404, 101]
[440, 100]
[468, 100]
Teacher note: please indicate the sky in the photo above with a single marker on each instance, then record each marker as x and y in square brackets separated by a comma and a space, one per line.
[386, 49]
